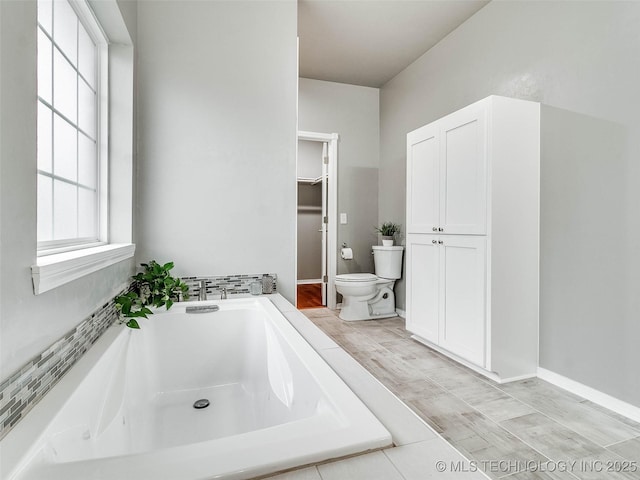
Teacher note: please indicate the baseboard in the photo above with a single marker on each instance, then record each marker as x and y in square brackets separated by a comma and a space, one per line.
[596, 396]
[401, 313]
[517, 378]
[306, 282]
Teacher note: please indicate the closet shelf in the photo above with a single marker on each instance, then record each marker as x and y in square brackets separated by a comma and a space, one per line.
[310, 181]
[309, 208]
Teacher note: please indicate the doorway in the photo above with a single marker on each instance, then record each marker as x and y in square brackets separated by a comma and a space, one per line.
[316, 259]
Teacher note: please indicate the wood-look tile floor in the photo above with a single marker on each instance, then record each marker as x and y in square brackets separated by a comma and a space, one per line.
[513, 430]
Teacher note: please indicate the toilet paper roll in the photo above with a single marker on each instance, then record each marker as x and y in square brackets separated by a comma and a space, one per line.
[346, 253]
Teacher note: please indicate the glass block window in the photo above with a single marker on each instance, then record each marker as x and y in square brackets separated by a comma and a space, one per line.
[69, 101]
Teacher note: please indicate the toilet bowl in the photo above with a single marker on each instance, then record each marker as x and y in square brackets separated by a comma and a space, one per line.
[366, 296]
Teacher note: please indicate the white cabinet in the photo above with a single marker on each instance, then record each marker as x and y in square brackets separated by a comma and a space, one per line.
[423, 180]
[447, 174]
[462, 296]
[423, 286]
[446, 282]
[473, 181]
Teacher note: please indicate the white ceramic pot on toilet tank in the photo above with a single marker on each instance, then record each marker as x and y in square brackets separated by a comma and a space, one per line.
[367, 296]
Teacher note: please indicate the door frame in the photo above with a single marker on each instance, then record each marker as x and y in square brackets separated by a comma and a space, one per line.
[332, 210]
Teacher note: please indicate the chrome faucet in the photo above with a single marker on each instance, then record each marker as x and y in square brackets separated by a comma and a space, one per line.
[223, 293]
[202, 294]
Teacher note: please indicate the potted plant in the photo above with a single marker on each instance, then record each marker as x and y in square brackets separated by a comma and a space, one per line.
[388, 231]
[155, 287]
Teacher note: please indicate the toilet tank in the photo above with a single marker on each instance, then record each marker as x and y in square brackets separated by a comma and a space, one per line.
[388, 261]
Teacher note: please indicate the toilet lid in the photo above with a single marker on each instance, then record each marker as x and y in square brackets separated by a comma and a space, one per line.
[357, 277]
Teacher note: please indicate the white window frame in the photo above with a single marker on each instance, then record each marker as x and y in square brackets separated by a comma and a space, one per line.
[93, 28]
[61, 264]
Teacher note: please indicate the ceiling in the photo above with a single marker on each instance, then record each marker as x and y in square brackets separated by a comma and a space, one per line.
[368, 42]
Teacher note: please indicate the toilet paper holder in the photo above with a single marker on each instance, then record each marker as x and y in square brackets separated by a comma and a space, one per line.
[346, 253]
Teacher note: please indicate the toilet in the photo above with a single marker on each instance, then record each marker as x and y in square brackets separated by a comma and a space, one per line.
[366, 296]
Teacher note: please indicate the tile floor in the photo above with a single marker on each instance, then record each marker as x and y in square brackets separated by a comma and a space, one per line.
[416, 447]
[505, 429]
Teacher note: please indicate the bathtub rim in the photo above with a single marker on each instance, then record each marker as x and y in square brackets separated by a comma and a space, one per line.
[23, 444]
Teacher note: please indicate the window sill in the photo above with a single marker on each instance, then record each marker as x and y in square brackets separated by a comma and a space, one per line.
[51, 271]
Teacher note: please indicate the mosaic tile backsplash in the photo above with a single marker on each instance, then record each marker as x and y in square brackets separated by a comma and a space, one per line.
[234, 284]
[22, 390]
[26, 387]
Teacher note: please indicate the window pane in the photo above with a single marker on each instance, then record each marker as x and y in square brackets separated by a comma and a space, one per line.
[44, 138]
[44, 66]
[65, 210]
[87, 57]
[45, 8]
[45, 210]
[65, 158]
[65, 88]
[87, 213]
[87, 162]
[65, 29]
[87, 110]
[68, 124]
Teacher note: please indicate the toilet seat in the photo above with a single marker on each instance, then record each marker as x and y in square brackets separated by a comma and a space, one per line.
[357, 277]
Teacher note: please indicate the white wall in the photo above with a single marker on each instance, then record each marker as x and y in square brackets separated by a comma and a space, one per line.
[581, 57]
[309, 159]
[217, 137]
[353, 113]
[29, 323]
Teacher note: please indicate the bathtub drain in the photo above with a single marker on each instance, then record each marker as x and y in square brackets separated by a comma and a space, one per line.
[202, 403]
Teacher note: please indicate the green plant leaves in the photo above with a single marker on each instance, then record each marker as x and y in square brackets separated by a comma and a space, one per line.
[153, 286]
[388, 229]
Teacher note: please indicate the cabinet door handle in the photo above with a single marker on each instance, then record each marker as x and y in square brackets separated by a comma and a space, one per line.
[440, 242]
[434, 241]
[440, 229]
[435, 229]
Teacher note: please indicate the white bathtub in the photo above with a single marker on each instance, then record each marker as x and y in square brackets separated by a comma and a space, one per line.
[125, 411]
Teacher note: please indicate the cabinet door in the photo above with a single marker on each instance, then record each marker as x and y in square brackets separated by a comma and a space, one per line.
[423, 183]
[462, 296]
[423, 291]
[463, 171]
